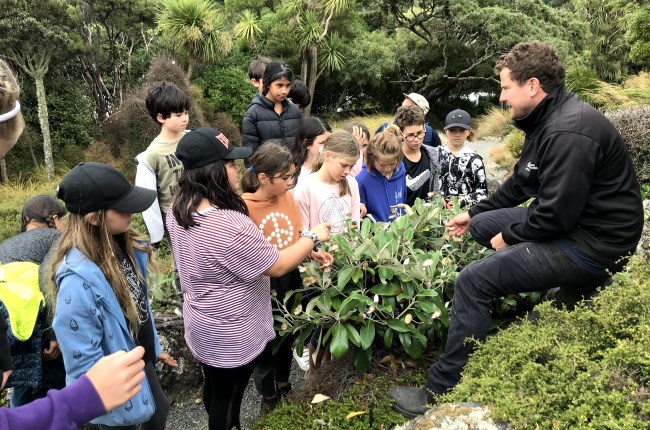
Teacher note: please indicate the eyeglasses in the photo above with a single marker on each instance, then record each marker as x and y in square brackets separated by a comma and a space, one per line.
[412, 137]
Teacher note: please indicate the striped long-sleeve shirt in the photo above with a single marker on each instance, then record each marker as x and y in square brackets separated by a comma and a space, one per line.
[227, 302]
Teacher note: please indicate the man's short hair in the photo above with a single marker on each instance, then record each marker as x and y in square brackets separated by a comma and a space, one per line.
[533, 60]
[257, 66]
[166, 98]
[409, 115]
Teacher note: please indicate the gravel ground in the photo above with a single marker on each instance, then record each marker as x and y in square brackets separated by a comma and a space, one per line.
[190, 415]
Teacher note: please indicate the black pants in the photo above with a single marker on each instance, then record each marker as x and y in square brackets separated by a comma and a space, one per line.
[273, 368]
[223, 392]
[524, 267]
[159, 418]
[276, 368]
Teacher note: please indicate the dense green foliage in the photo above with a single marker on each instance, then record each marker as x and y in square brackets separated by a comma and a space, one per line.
[357, 56]
[390, 285]
[571, 370]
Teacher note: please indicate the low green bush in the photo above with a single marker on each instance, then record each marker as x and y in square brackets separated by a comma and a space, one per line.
[390, 283]
[588, 368]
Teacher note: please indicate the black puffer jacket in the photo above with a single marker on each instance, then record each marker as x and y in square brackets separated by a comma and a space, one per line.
[577, 168]
[261, 124]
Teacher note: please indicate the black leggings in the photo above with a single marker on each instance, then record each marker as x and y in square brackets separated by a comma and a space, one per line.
[159, 418]
[223, 392]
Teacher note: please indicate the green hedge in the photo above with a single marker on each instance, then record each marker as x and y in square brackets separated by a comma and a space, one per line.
[571, 370]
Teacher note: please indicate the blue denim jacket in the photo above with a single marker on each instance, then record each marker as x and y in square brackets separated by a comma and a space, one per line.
[89, 324]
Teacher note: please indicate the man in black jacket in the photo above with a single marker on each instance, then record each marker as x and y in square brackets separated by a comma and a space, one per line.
[584, 221]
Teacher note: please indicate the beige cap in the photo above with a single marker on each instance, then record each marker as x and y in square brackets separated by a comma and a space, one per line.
[419, 100]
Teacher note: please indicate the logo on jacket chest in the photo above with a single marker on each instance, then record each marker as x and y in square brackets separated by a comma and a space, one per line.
[530, 167]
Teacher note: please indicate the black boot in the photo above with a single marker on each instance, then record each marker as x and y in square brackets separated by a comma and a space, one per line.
[410, 401]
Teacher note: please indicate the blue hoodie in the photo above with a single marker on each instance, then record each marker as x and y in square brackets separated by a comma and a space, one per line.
[89, 324]
[379, 193]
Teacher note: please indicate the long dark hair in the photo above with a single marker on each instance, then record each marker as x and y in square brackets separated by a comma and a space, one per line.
[270, 159]
[308, 130]
[274, 71]
[207, 182]
[42, 209]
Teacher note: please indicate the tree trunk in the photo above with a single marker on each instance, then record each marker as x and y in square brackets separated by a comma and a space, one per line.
[190, 69]
[3, 170]
[303, 67]
[93, 79]
[313, 72]
[45, 125]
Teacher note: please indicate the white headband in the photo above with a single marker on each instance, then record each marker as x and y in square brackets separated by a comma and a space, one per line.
[12, 113]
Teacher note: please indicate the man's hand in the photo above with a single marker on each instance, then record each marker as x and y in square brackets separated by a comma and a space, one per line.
[458, 224]
[497, 242]
[167, 359]
[52, 351]
[117, 377]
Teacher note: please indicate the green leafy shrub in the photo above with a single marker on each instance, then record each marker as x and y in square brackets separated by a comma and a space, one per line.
[514, 141]
[634, 125]
[130, 130]
[571, 370]
[227, 89]
[390, 281]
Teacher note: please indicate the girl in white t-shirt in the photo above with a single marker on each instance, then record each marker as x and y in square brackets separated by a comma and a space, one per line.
[330, 195]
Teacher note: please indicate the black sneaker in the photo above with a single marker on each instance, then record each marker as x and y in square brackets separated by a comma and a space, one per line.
[283, 391]
[410, 401]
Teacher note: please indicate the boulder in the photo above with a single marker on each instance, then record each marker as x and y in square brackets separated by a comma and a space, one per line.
[455, 416]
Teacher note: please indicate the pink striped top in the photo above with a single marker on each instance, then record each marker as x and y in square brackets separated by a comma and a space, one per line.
[227, 302]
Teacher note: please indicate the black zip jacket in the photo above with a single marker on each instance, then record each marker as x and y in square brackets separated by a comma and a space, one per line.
[578, 170]
[261, 124]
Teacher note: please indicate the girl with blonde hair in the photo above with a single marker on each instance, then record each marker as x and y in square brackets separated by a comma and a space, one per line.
[382, 184]
[100, 287]
[331, 195]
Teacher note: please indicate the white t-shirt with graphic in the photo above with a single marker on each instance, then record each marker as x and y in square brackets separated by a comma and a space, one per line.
[320, 202]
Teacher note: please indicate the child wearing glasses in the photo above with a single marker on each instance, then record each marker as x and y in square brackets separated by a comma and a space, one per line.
[420, 161]
[382, 184]
[462, 170]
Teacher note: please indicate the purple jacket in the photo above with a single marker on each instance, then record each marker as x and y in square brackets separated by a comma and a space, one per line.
[64, 409]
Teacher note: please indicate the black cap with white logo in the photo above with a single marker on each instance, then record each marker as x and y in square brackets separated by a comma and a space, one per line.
[458, 118]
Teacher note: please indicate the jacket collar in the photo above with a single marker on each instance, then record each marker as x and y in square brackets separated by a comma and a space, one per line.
[268, 103]
[547, 106]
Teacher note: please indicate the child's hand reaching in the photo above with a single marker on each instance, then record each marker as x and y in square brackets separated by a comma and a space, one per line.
[360, 136]
[322, 231]
[362, 210]
[323, 258]
[167, 359]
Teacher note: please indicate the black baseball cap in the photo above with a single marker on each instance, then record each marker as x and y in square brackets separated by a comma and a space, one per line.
[90, 187]
[458, 118]
[203, 146]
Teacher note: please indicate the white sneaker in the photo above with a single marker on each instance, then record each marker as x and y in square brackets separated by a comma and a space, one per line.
[303, 362]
